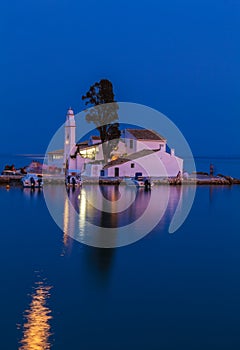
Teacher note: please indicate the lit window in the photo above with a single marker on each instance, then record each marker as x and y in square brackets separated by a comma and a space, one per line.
[57, 156]
[88, 153]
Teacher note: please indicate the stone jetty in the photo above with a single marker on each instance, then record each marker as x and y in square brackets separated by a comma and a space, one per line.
[193, 179]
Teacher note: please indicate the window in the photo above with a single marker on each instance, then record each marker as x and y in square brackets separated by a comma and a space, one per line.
[57, 156]
[132, 165]
[89, 153]
[67, 139]
[131, 143]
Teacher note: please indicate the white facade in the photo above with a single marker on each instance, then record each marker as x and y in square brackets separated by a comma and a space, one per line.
[134, 144]
[55, 159]
[156, 164]
[70, 141]
[138, 150]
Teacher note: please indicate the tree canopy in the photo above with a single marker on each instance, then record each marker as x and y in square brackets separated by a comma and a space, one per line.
[104, 114]
[99, 93]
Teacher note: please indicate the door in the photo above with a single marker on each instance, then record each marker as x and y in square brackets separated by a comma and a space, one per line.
[116, 172]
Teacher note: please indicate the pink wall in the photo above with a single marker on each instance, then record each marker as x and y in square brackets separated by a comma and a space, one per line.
[157, 165]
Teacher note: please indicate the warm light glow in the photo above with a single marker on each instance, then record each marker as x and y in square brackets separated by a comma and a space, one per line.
[114, 157]
[65, 221]
[36, 331]
[88, 153]
[68, 218]
[82, 211]
[57, 156]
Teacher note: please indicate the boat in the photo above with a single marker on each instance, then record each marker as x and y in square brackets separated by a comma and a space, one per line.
[138, 181]
[73, 181]
[32, 181]
[9, 173]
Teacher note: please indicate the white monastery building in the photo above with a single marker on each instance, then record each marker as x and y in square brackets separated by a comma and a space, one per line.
[138, 151]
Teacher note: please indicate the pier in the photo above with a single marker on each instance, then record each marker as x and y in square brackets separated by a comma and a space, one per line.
[194, 179]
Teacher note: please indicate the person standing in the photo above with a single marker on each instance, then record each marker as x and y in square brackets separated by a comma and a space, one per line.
[211, 169]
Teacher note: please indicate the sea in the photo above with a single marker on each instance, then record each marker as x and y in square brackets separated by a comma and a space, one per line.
[168, 291]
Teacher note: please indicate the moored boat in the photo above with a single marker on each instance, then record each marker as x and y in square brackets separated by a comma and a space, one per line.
[138, 181]
[73, 181]
[32, 181]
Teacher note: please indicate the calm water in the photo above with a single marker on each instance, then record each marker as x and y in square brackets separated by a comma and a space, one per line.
[179, 291]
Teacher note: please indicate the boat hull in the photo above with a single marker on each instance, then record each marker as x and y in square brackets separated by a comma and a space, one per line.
[137, 183]
[75, 185]
[29, 186]
[32, 181]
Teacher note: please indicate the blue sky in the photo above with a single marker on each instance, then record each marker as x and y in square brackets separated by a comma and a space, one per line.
[179, 57]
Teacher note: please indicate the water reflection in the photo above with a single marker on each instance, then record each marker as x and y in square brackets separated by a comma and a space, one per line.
[84, 214]
[99, 263]
[88, 213]
[32, 192]
[99, 260]
[68, 223]
[36, 329]
[92, 207]
[113, 194]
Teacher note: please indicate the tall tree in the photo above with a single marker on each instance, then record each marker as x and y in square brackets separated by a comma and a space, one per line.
[104, 114]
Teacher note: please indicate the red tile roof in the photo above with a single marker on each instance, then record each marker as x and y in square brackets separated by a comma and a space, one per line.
[145, 134]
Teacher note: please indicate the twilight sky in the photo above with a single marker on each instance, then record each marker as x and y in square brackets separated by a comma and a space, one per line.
[179, 57]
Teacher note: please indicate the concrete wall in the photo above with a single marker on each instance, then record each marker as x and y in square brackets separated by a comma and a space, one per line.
[120, 151]
[92, 170]
[140, 145]
[55, 162]
[128, 142]
[157, 165]
[80, 163]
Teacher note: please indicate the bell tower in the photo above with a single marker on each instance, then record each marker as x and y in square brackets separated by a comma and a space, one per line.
[70, 135]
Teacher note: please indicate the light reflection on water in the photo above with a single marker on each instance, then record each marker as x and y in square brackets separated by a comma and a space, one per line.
[81, 201]
[37, 329]
[161, 281]
[82, 213]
